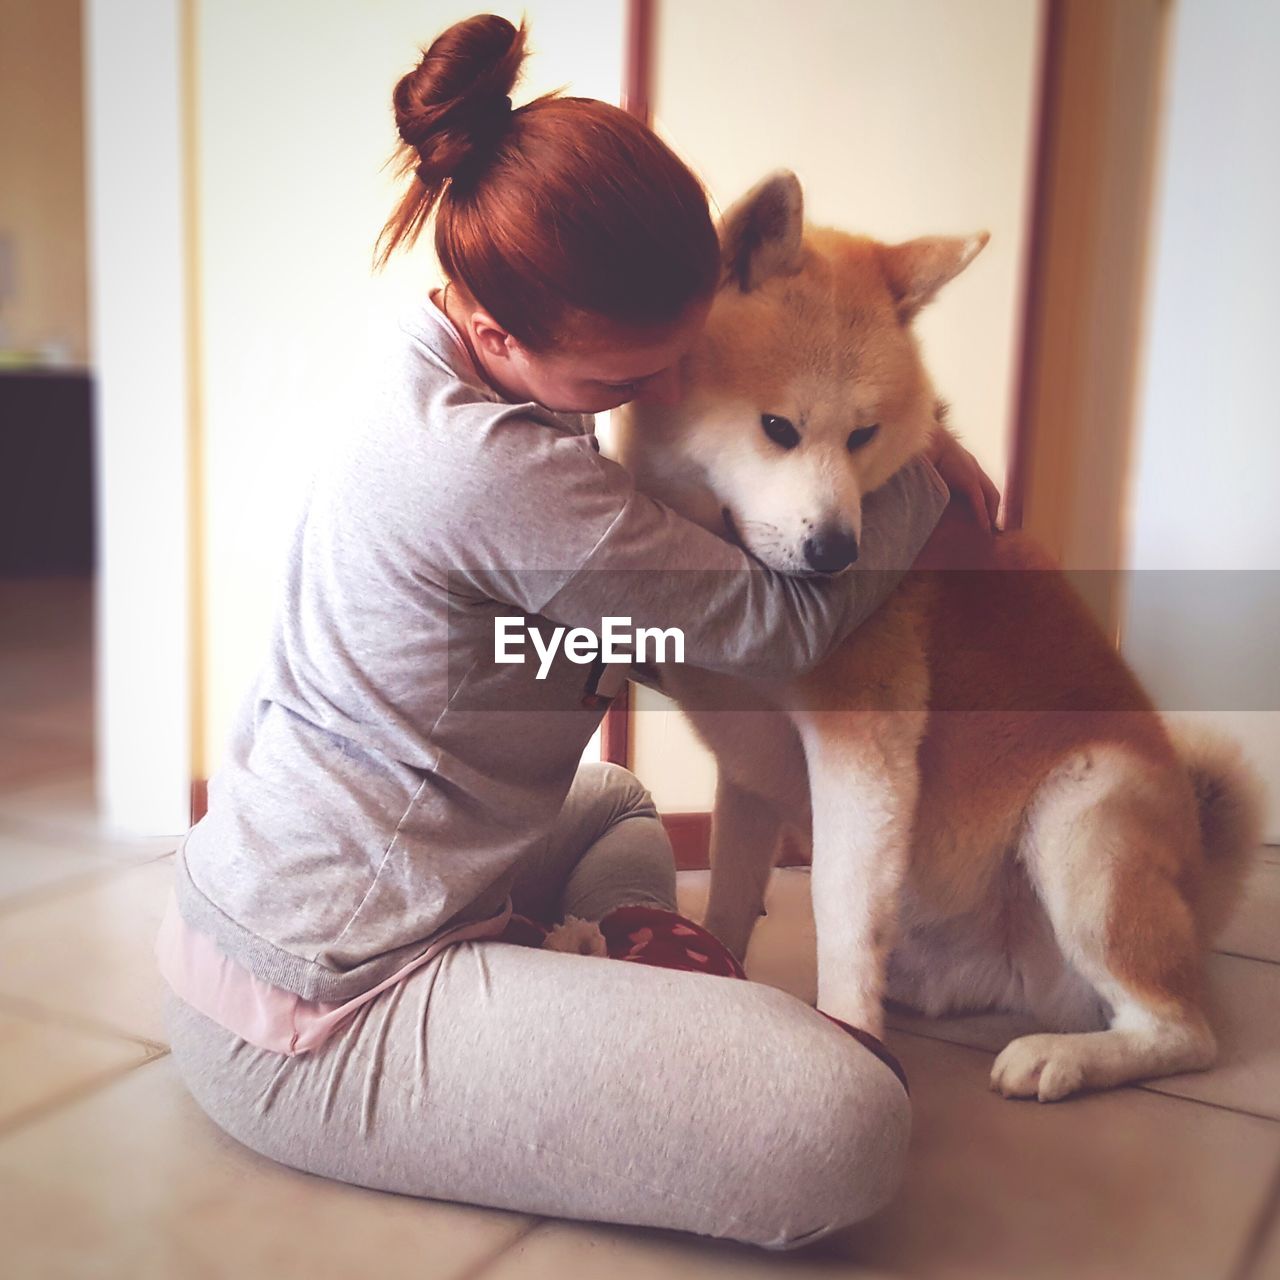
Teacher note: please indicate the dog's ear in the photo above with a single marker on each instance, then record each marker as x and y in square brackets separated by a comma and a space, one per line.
[917, 269]
[761, 233]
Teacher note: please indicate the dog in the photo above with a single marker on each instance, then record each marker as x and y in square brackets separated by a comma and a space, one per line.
[997, 816]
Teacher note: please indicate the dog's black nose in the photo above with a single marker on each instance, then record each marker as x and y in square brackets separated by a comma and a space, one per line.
[831, 550]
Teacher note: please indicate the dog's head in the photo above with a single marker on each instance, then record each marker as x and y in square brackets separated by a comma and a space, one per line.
[806, 390]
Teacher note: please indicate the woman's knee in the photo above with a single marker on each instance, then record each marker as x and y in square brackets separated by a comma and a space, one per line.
[624, 792]
[849, 1123]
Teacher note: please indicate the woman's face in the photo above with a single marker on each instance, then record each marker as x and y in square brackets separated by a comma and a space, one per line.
[588, 379]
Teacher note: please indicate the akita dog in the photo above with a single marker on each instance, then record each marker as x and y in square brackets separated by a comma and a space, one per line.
[998, 817]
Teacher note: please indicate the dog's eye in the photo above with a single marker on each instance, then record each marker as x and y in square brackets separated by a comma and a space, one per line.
[862, 436]
[780, 431]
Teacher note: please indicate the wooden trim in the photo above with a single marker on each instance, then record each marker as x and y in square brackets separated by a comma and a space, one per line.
[690, 835]
[1099, 130]
[199, 799]
[1047, 107]
[615, 730]
[638, 90]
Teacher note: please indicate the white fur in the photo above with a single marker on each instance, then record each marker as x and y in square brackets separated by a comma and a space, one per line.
[1067, 851]
[576, 937]
[863, 800]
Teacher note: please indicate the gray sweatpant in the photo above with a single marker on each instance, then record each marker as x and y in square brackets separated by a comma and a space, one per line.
[574, 1086]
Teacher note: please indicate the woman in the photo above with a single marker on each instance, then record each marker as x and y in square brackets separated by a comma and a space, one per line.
[396, 809]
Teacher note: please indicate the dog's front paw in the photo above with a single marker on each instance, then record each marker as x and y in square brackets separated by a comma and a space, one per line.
[577, 937]
[1047, 1067]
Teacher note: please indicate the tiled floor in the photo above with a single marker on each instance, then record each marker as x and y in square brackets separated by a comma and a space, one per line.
[109, 1169]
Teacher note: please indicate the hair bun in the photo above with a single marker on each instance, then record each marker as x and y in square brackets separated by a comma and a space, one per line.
[455, 106]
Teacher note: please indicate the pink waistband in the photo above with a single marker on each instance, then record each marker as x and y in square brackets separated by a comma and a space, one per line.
[265, 1015]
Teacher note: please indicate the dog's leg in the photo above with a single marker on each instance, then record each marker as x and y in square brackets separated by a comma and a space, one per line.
[1105, 848]
[864, 781]
[745, 831]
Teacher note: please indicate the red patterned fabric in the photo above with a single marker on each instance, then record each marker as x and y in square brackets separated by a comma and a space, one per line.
[668, 940]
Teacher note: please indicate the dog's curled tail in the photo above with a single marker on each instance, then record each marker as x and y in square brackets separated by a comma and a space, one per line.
[1231, 802]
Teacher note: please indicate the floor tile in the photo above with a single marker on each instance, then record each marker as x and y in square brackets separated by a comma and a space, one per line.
[1243, 998]
[65, 804]
[1254, 929]
[1244, 1006]
[1126, 1183]
[27, 865]
[63, 810]
[27, 756]
[1265, 1263]
[691, 892]
[102, 851]
[592, 1251]
[987, 1031]
[134, 1182]
[41, 1061]
[87, 953]
[782, 951]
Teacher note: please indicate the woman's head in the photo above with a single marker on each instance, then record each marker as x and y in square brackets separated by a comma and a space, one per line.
[581, 241]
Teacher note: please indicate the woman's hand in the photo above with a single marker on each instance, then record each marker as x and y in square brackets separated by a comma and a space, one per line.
[960, 469]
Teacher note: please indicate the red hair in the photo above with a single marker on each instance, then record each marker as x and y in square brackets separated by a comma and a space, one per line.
[560, 217]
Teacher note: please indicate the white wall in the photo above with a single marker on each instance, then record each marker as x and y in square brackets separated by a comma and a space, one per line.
[138, 301]
[1208, 447]
[901, 118]
[294, 123]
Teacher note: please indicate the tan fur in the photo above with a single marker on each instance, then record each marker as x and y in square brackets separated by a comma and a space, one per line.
[1230, 802]
[999, 818]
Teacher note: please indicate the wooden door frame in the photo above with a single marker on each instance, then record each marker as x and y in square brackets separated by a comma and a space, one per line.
[1102, 83]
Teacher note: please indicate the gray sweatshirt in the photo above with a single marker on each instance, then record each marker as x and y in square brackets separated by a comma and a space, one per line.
[384, 777]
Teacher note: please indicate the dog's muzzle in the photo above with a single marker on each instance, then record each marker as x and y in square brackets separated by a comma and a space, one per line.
[831, 550]
[731, 528]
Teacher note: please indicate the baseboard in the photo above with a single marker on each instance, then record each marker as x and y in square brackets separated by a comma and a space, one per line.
[199, 799]
[690, 835]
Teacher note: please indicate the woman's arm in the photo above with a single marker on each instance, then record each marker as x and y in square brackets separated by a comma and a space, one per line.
[579, 543]
[735, 615]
